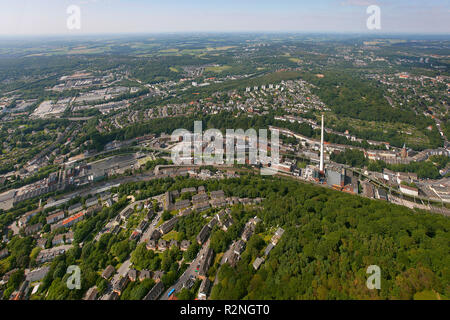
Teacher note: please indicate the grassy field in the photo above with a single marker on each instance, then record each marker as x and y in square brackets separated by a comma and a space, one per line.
[169, 50]
[170, 236]
[218, 69]
[296, 60]
[220, 48]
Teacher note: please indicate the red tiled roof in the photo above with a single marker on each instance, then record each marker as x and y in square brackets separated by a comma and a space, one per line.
[74, 217]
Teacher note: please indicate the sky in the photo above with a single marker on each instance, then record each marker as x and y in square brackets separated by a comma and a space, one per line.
[48, 17]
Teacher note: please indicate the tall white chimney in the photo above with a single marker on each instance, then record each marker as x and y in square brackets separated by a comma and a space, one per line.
[321, 148]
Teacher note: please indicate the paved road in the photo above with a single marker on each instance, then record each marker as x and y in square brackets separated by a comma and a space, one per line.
[190, 271]
[146, 235]
[226, 255]
[152, 226]
[123, 269]
[121, 272]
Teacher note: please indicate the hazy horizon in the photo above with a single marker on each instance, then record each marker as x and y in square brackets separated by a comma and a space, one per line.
[106, 17]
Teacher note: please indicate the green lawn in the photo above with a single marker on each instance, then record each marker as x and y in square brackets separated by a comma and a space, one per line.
[171, 235]
[218, 69]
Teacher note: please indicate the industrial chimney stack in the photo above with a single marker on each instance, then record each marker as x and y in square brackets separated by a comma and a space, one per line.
[321, 149]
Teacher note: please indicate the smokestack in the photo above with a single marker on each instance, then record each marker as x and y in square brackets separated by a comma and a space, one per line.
[321, 148]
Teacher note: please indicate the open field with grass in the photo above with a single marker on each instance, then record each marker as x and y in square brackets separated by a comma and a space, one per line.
[218, 69]
[170, 236]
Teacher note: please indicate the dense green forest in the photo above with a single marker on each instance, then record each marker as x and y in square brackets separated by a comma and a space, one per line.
[330, 240]
[352, 96]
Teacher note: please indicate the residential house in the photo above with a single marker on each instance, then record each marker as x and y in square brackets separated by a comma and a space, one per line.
[91, 294]
[182, 204]
[199, 198]
[29, 230]
[185, 190]
[233, 259]
[276, 237]
[54, 217]
[36, 274]
[168, 225]
[91, 202]
[108, 272]
[8, 275]
[120, 285]
[213, 222]
[135, 235]
[41, 242]
[248, 231]
[108, 203]
[205, 287]
[203, 235]
[269, 248]
[49, 254]
[132, 274]
[257, 263]
[185, 212]
[162, 245]
[144, 274]
[217, 203]
[217, 194]
[255, 220]
[126, 213]
[58, 239]
[175, 194]
[94, 209]
[151, 245]
[4, 253]
[185, 244]
[157, 275]
[150, 214]
[155, 292]
[227, 224]
[238, 247]
[203, 206]
[205, 263]
[70, 221]
[27, 217]
[75, 208]
[69, 236]
[142, 226]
